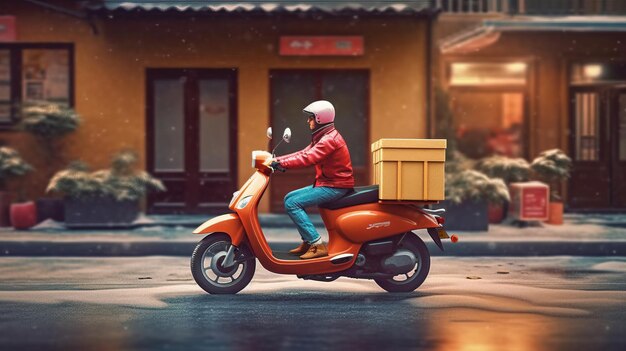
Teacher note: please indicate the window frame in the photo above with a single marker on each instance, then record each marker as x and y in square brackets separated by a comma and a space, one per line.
[15, 54]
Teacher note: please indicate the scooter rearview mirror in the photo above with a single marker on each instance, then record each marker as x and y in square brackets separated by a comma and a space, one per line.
[287, 135]
[269, 133]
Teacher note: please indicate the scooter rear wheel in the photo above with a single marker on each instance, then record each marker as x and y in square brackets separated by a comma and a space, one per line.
[413, 279]
[211, 275]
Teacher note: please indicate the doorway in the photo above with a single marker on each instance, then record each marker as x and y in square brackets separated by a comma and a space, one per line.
[291, 91]
[598, 144]
[191, 134]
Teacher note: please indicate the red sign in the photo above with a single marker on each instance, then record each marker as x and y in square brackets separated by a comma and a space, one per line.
[529, 201]
[7, 28]
[321, 46]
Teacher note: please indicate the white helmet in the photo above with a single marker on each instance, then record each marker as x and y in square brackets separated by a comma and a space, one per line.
[323, 111]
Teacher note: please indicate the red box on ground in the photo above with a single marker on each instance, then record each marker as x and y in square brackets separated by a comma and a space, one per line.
[529, 201]
[321, 45]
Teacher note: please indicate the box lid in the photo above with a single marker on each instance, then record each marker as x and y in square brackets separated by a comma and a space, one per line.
[531, 184]
[410, 144]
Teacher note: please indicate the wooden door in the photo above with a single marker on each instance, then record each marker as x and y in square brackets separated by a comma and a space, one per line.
[598, 144]
[291, 91]
[618, 159]
[191, 139]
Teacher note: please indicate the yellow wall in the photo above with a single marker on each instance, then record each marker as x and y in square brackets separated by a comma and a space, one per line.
[110, 72]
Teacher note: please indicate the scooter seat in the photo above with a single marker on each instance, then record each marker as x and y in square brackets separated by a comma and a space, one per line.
[357, 196]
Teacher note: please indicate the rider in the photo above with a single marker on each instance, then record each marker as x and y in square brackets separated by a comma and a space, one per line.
[333, 175]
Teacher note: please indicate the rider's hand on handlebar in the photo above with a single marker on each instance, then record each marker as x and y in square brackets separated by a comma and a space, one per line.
[268, 162]
[271, 163]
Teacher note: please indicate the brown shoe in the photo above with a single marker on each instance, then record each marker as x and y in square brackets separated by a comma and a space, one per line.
[304, 247]
[315, 251]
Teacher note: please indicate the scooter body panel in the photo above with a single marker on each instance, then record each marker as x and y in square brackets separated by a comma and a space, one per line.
[228, 223]
[347, 229]
[249, 218]
[366, 222]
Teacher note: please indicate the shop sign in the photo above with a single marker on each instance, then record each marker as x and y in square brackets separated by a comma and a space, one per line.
[529, 201]
[321, 45]
[7, 28]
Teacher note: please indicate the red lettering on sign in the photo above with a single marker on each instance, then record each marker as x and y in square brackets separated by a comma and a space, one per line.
[534, 203]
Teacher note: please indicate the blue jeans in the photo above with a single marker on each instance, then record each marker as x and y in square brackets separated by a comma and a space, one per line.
[297, 200]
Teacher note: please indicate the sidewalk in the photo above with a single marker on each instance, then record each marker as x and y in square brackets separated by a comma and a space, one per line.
[581, 235]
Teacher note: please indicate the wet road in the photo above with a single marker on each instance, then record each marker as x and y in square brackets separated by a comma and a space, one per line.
[151, 303]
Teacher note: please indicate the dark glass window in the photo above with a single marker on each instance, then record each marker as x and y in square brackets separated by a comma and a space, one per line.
[34, 73]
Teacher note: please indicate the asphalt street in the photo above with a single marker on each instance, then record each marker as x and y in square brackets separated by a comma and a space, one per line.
[152, 303]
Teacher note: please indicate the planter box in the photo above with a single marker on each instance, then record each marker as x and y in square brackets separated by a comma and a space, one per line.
[50, 208]
[409, 169]
[100, 212]
[5, 204]
[466, 216]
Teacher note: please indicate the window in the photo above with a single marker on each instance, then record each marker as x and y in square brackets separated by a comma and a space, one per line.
[34, 73]
[488, 106]
[587, 136]
[489, 123]
[591, 73]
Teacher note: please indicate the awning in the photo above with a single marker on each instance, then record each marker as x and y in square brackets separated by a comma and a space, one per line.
[490, 30]
[281, 6]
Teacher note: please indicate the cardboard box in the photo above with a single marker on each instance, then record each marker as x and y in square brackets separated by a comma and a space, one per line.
[529, 201]
[410, 169]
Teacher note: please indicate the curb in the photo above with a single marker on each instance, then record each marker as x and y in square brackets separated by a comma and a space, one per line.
[185, 248]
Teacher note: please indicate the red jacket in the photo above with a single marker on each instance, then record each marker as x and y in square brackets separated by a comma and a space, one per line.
[329, 153]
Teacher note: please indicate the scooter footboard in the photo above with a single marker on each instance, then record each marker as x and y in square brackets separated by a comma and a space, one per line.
[228, 223]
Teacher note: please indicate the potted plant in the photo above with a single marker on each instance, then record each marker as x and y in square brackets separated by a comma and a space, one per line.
[468, 194]
[104, 198]
[11, 165]
[49, 122]
[510, 170]
[552, 167]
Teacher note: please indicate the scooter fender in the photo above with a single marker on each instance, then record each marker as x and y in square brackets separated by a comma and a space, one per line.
[228, 223]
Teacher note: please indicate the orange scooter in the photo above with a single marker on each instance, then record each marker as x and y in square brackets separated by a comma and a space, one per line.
[367, 239]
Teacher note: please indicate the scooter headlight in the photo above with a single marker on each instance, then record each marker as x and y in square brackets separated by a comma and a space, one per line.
[235, 194]
[243, 202]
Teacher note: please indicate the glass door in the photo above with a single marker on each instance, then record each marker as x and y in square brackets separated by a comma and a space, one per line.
[618, 183]
[191, 139]
[291, 91]
[599, 148]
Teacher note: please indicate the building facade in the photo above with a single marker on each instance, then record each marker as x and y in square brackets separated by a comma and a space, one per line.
[192, 86]
[526, 76]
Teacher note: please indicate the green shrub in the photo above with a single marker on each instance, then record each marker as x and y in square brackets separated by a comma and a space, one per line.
[552, 165]
[11, 165]
[471, 185]
[122, 181]
[49, 120]
[508, 169]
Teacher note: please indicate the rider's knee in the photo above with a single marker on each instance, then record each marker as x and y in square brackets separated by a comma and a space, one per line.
[290, 204]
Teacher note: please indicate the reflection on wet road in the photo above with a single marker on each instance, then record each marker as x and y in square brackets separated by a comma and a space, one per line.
[516, 304]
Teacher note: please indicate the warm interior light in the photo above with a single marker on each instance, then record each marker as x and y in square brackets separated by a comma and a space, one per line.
[516, 67]
[592, 71]
[459, 67]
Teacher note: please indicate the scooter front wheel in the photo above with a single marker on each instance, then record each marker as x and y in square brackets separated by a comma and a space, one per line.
[208, 270]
